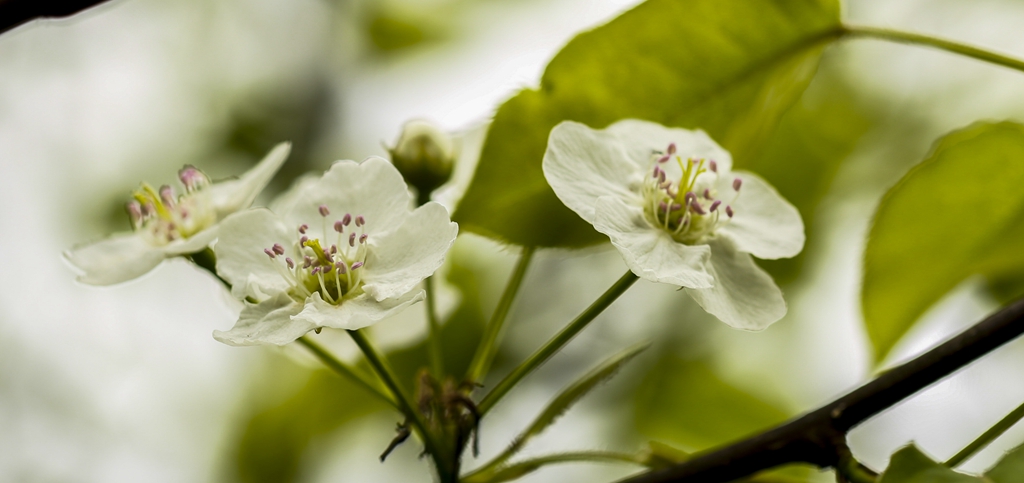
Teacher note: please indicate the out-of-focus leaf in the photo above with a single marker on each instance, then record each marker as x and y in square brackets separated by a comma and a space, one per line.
[730, 67]
[688, 405]
[803, 155]
[274, 440]
[910, 465]
[1010, 469]
[958, 213]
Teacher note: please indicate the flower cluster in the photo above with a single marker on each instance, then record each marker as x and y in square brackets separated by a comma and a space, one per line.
[671, 204]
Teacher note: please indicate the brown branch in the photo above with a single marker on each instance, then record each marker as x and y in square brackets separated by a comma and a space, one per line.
[16, 12]
[819, 437]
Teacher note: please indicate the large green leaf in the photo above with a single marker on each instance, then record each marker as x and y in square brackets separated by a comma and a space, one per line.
[1010, 469]
[910, 465]
[956, 214]
[687, 404]
[730, 67]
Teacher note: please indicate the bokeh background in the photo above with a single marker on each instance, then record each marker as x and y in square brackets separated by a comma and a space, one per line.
[126, 383]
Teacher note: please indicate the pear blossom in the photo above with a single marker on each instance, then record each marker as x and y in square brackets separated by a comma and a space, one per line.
[343, 251]
[166, 225]
[677, 213]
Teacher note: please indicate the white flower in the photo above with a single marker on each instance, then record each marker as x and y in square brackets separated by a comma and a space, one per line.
[343, 251]
[670, 204]
[166, 225]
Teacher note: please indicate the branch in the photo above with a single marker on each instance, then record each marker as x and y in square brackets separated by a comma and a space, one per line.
[16, 12]
[819, 437]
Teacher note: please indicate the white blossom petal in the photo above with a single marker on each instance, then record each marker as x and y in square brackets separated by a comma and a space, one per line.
[649, 252]
[354, 313]
[231, 195]
[240, 257]
[116, 259]
[372, 188]
[582, 164]
[285, 202]
[765, 225]
[640, 138]
[193, 244]
[398, 260]
[744, 295]
[268, 322]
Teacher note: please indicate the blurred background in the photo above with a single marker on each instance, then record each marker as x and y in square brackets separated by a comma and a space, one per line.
[126, 383]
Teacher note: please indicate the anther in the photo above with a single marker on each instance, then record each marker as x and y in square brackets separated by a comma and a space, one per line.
[714, 206]
[690, 197]
[736, 183]
[345, 220]
[362, 238]
[671, 148]
[302, 240]
[307, 261]
[148, 209]
[167, 195]
[315, 271]
[357, 265]
[269, 253]
[341, 268]
[707, 193]
[192, 178]
[334, 249]
[134, 212]
[697, 208]
[289, 262]
[713, 165]
[360, 221]
[728, 211]
[352, 240]
[675, 207]
[339, 226]
[278, 249]
[302, 228]
[654, 174]
[324, 211]
[664, 158]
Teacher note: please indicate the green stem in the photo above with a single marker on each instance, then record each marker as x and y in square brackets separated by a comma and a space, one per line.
[488, 344]
[986, 438]
[557, 342]
[341, 368]
[518, 470]
[948, 46]
[405, 404]
[434, 338]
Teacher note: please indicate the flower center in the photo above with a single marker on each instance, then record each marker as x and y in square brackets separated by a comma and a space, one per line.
[330, 269]
[682, 197]
[164, 217]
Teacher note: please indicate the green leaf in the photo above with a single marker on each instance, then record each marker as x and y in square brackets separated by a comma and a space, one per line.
[730, 67]
[956, 214]
[1010, 469]
[910, 465]
[687, 404]
[561, 403]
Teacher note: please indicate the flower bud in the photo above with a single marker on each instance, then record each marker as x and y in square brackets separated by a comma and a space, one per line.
[424, 154]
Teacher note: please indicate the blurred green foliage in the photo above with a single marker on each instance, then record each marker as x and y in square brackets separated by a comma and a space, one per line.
[956, 214]
[685, 403]
[910, 465]
[729, 67]
[274, 440]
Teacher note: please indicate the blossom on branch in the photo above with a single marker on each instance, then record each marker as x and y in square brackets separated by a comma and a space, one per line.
[671, 204]
[168, 225]
[343, 251]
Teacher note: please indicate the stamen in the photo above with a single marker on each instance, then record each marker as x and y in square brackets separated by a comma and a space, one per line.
[269, 253]
[707, 193]
[192, 178]
[352, 240]
[290, 263]
[134, 210]
[360, 221]
[303, 239]
[357, 265]
[362, 238]
[671, 148]
[324, 211]
[728, 211]
[302, 228]
[690, 198]
[345, 220]
[339, 226]
[713, 165]
[341, 267]
[736, 183]
[278, 249]
[664, 158]
[696, 208]
[714, 206]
